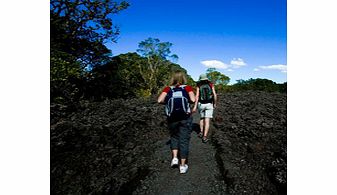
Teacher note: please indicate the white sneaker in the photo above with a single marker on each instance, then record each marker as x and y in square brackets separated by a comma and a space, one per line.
[174, 162]
[183, 169]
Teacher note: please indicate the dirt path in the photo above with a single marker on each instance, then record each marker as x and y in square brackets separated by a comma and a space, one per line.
[203, 176]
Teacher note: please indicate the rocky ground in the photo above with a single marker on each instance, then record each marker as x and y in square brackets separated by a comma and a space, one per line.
[251, 142]
[120, 147]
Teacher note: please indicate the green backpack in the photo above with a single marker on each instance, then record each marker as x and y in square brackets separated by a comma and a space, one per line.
[206, 94]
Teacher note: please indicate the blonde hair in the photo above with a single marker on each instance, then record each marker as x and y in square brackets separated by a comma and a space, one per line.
[178, 77]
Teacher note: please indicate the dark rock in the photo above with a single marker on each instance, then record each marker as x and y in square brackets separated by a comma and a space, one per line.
[255, 125]
[102, 147]
[106, 147]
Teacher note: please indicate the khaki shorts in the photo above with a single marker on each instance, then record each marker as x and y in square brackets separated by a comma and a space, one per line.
[206, 110]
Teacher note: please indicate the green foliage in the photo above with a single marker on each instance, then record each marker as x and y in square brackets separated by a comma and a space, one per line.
[216, 77]
[143, 93]
[88, 19]
[153, 48]
[283, 87]
[165, 73]
[220, 80]
[190, 81]
[259, 85]
[154, 72]
[79, 29]
[124, 77]
[118, 78]
[64, 66]
[65, 71]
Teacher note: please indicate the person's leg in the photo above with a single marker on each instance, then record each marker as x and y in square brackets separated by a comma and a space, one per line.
[201, 127]
[174, 145]
[184, 139]
[201, 110]
[174, 153]
[208, 116]
[206, 123]
[183, 161]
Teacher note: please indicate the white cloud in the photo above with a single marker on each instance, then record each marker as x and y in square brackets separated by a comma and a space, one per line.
[256, 69]
[234, 63]
[238, 62]
[281, 67]
[214, 64]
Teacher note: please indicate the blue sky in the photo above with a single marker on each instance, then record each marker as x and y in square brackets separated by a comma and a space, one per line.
[242, 38]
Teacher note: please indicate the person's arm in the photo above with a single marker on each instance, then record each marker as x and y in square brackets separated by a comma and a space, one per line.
[196, 100]
[190, 93]
[161, 97]
[215, 98]
[192, 96]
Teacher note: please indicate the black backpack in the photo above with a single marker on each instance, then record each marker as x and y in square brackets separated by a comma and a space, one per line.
[177, 105]
[205, 93]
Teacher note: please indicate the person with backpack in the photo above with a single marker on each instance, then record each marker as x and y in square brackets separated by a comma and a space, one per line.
[206, 100]
[177, 98]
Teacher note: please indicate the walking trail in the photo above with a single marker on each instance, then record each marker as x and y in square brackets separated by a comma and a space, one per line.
[203, 176]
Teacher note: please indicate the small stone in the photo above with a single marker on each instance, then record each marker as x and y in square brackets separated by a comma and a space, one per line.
[128, 159]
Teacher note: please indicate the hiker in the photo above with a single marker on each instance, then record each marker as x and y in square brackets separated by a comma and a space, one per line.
[176, 98]
[206, 100]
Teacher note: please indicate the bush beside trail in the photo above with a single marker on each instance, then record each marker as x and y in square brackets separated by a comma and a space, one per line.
[251, 141]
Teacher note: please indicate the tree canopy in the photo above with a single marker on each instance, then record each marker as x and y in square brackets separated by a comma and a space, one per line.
[157, 54]
[81, 27]
[217, 77]
[88, 19]
[260, 85]
[124, 77]
[152, 47]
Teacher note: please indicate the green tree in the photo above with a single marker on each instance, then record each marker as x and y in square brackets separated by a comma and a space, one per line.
[157, 54]
[220, 80]
[121, 77]
[283, 87]
[90, 19]
[259, 85]
[216, 77]
[118, 78]
[79, 29]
